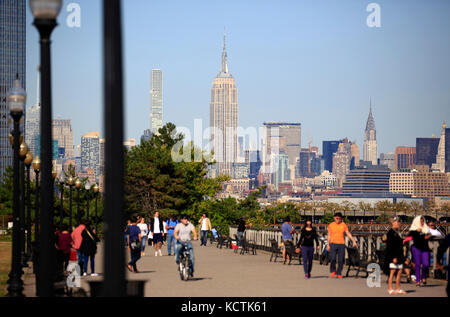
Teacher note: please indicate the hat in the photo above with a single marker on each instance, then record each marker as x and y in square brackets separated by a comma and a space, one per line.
[338, 214]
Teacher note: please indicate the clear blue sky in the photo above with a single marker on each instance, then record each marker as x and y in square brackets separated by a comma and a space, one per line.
[315, 62]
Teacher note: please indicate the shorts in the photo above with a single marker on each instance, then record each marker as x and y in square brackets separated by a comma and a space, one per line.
[157, 237]
[393, 266]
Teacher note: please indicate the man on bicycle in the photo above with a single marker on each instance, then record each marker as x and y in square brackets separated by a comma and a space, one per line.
[182, 235]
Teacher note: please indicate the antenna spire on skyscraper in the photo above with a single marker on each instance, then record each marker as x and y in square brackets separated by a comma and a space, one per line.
[224, 68]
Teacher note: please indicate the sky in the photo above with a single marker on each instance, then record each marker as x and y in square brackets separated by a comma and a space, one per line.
[310, 61]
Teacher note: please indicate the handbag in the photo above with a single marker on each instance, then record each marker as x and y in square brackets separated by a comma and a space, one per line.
[135, 245]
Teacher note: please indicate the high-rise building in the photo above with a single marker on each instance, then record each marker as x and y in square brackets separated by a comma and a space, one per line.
[102, 156]
[366, 179]
[447, 150]
[426, 151]
[224, 118]
[156, 93]
[341, 164]
[32, 123]
[370, 140]
[12, 63]
[90, 152]
[328, 149]
[147, 135]
[405, 157]
[355, 154]
[388, 159]
[130, 143]
[440, 156]
[62, 131]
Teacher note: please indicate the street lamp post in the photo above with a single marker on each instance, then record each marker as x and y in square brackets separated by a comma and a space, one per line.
[95, 188]
[23, 150]
[16, 100]
[36, 168]
[61, 206]
[78, 186]
[87, 186]
[45, 13]
[28, 161]
[70, 182]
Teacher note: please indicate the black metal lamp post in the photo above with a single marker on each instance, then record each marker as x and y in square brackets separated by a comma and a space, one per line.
[45, 13]
[87, 186]
[28, 161]
[70, 182]
[36, 168]
[61, 180]
[16, 100]
[23, 150]
[95, 188]
[78, 186]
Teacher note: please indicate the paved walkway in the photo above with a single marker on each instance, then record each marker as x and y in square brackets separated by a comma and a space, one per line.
[222, 273]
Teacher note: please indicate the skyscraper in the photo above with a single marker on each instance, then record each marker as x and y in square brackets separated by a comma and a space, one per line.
[62, 131]
[440, 157]
[370, 140]
[447, 150]
[224, 118]
[328, 149]
[32, 122]
[90, 152]
[405, 157]
[341, 163]
[12, 63]
[426, 151]
[156, 93]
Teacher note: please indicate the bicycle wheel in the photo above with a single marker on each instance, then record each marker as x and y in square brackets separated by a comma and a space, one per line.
[186, 268]
[181, 268]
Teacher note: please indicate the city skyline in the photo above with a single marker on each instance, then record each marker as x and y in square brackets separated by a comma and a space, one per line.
[302, 89]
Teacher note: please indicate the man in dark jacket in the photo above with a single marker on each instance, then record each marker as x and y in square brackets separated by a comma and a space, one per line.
[89, 248]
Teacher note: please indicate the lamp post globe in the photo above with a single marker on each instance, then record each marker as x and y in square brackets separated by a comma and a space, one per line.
[78, 186]
[45, 9]
[37, 164]
[87, 186]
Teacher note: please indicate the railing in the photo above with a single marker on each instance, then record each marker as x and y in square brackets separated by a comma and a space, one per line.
[368, 241]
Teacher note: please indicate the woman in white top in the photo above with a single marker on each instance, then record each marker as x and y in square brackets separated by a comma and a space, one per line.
[144, 231]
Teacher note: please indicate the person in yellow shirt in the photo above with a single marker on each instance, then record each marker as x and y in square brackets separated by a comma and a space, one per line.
[336, 244]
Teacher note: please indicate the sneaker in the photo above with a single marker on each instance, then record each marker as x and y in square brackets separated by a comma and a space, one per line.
[84, 274]
[94, 274]
[333, 274]
[160, 253]
[309, 275]
[156, 253]
[340, 276]
[306, 276]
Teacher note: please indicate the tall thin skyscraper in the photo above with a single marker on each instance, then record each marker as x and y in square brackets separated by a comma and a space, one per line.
[12, 62]
[440, 157]
[62, 131]
[156, 93]
[32, 123]
[370, 140]
[224, 118]
[90, 152]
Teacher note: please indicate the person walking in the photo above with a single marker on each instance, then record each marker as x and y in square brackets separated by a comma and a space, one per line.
[88, 248]
[76, 243]
[134, 240]
[64, 246]
[144, 232]
[157, 230]
[306, 244]
[440, 255]
[128, 224]
[287, 230]
[170, 227]
[205, 227]
[394, 256]
[336, 244]
[420, 233]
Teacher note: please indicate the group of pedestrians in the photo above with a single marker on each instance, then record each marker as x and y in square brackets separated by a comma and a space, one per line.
[79, 246]
[175, 232]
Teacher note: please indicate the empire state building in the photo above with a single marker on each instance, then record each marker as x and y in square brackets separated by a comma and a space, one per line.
[224, 118]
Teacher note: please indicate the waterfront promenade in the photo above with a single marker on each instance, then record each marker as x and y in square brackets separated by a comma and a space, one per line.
[223, 273]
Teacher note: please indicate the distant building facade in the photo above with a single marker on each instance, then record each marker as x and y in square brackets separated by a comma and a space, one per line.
[156, 93]
[405, 157]
[90, 152]
[370, 140]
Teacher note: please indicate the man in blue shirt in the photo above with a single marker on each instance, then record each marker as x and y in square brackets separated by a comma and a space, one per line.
[287, 231]
[170, 227]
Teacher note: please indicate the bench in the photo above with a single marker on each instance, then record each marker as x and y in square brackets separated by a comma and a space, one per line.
[276, 251]
[246, 245]
[290, 252]
[222, 241]
[356, 261]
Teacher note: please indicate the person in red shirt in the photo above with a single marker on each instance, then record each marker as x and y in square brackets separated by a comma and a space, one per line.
[64, 246]
[76, 242]
[336, 244]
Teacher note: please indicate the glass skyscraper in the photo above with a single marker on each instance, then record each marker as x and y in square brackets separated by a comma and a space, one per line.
[12, 62]
[156, 92]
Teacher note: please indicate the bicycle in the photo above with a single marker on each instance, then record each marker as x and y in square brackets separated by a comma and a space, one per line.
[324, 257]
[185, 263]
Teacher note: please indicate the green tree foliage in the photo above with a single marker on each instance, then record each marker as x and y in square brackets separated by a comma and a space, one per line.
[6, 190]
[155, 181]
